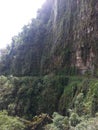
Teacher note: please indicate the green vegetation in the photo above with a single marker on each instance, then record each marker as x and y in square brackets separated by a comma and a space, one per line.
[10, 123]
[74, 97]
[52, 67]
[28, 96]
[74, 122]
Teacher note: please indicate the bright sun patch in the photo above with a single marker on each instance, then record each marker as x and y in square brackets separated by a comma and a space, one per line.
[14, 14]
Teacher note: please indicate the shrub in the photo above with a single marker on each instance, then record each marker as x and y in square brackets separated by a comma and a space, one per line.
[79, 104]
[10, 123]
[60, 122]
[74, 119]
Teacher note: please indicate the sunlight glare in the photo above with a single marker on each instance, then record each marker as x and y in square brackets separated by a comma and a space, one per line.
[14, 14]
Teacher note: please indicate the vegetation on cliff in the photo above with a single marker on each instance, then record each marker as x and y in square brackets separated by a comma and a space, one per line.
[74, 97]
[64, 35]
[50, 67]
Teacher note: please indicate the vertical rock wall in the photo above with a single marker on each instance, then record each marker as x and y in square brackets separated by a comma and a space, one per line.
[75, 35]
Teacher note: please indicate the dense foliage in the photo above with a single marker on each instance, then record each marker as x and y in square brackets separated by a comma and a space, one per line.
[74, 97]
[10, 123]
[50, 67]
[28, 96]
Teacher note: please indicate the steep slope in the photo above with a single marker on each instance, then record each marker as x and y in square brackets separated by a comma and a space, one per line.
[74, 35]
[40, 69]
[63, 36]
[23, 57]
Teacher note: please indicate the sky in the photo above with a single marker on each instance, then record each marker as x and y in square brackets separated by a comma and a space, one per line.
[14, 14]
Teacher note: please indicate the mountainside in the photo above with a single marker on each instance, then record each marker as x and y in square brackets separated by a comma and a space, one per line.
[63, 36]
[75, 28]
[52, 67]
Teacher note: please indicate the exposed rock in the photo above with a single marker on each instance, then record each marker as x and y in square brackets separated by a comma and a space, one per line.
[64, 35]
[38, 122]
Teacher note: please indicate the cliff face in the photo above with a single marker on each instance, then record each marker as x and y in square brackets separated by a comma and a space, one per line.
[36, 68]
[64, 36]
[74, 35]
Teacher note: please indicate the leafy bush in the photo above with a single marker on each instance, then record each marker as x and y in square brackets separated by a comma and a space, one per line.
[10, 123]
[90, 124]
[59, 122]
[79, 104]
[74, 119]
